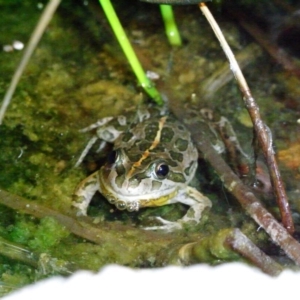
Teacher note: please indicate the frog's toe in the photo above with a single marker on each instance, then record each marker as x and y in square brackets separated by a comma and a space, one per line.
[79, 210]
[166, 225]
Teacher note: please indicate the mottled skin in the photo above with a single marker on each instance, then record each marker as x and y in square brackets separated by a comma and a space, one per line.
[152, 163]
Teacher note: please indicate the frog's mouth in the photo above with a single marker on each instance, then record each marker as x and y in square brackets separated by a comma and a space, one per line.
[135, 202]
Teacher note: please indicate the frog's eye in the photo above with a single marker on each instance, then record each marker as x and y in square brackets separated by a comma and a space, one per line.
[112, 157]
[162, 170]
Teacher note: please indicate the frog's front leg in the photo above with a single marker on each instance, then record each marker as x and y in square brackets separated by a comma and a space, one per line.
[108, 130]
[84, 193]
[197, 202]
[191, 197]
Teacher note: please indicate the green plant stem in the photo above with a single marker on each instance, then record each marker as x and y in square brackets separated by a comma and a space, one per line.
[170, 25]
[129, 52]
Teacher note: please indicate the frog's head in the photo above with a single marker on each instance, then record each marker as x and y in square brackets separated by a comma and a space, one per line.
[149, 164]
[134, 179]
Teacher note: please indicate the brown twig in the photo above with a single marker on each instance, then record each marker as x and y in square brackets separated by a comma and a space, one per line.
[119, 237]
[235, 186]
[265, 142]
[82, 226]
[43, 262]
[230, 242]
[243, 245]
[16, 252]
[260, 130]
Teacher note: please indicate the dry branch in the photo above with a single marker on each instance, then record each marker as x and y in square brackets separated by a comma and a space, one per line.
[235, 186]
[261, 132]
[229, 240]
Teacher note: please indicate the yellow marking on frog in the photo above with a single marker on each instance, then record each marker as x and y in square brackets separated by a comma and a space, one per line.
[163, 200]
[152, 202]
[104, 190]
[154, 144]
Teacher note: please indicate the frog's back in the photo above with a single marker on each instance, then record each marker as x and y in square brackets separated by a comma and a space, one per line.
[160, 136]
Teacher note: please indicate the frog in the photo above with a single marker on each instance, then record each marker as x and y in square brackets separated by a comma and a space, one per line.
[152, 163]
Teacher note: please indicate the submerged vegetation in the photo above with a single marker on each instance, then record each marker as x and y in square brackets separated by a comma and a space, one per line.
[77, 75]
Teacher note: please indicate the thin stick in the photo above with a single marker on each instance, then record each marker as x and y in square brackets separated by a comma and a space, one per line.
[17, 252]
[170, 25]
[260, 128]
[129, 52]
[44, 262]
[224, 245]
[240, 243]
[34, 40]
[235, 186]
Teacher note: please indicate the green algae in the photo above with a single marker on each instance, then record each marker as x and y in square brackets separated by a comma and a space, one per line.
[48, 235]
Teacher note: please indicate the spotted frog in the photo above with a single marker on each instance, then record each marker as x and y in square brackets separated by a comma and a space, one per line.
[152, 163]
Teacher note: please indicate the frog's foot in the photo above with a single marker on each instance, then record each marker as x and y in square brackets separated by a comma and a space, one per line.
[80, 205]
[167, 226]
[90, 144]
